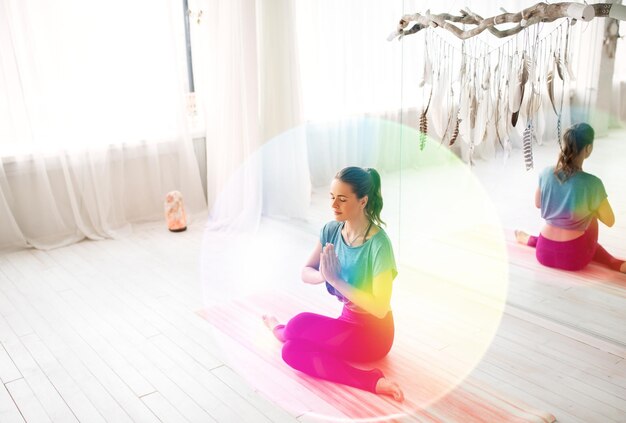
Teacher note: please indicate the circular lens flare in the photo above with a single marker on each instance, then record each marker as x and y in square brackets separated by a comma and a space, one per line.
[447, 299]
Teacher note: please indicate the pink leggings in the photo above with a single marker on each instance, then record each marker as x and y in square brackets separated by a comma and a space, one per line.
[574, 254]
[322, 347]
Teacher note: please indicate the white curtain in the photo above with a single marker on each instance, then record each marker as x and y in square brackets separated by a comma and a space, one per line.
[226, 67]
[286, 179]
[92, 126]
[249, 90]
[248, 87]
[353, 84]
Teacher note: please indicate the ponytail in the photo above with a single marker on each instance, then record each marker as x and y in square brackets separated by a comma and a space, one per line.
[575, 139]
[375, 199]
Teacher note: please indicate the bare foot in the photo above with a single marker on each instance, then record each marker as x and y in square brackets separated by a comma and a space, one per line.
[270, 321]
[521, 237]
[385, 387]
[276, 328]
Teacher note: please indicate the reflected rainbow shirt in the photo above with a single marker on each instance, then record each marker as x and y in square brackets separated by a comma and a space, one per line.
[571, 204]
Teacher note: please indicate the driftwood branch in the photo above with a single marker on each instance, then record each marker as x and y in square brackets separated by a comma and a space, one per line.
[540, 12]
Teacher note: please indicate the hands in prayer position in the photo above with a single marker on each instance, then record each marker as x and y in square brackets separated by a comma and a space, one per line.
[329, 264]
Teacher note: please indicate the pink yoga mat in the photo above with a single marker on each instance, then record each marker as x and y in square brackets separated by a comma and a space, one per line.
[434, 383]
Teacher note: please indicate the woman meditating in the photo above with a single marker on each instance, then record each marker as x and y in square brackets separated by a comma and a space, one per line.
[571, 202]
[355, 259]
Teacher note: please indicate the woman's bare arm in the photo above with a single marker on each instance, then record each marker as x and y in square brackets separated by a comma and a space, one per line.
[310, 271]
[538, 198]
[605, 213]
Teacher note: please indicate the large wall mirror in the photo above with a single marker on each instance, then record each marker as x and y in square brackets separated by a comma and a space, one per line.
[457, 220]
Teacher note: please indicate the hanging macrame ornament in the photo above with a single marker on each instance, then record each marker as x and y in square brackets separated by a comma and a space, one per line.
[540, 12]
[528, 145]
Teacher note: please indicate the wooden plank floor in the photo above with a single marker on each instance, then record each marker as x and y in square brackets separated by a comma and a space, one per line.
[107, 331]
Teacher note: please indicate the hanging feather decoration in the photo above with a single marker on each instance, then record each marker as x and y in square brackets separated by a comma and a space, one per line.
[567, 57]
[558, 63]
[424, 123]
[534, 103]
[558, 132]
[453, 113]
[514, 118]
[455, 133]
[498, 99]
[534, 97]
[423, 129]
[487, 77]
[483, 116]
[515, 102]
[570, 71]
[485, 135]
[523, 79]
[473, 108]
[559, 66]
[525, 70]
[515, 93]
[462, 68]
[550, 81]
[441, 95]
[497, 120]
[528, 145]
[427, 77]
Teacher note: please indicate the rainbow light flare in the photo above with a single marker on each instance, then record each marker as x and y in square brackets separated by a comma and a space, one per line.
[448, 297]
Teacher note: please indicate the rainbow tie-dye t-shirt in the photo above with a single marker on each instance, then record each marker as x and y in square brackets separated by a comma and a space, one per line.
[359, 264]
[570, 204]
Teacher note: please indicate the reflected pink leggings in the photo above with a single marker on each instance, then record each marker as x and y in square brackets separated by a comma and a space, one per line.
[322, 347]
[574, 254]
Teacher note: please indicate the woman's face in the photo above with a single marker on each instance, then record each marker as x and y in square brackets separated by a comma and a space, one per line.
[344, 202]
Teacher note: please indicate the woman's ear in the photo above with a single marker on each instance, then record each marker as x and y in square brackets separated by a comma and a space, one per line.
[364, 201]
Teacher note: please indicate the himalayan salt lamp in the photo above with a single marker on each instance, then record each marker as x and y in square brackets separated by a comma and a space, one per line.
[175, 212]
